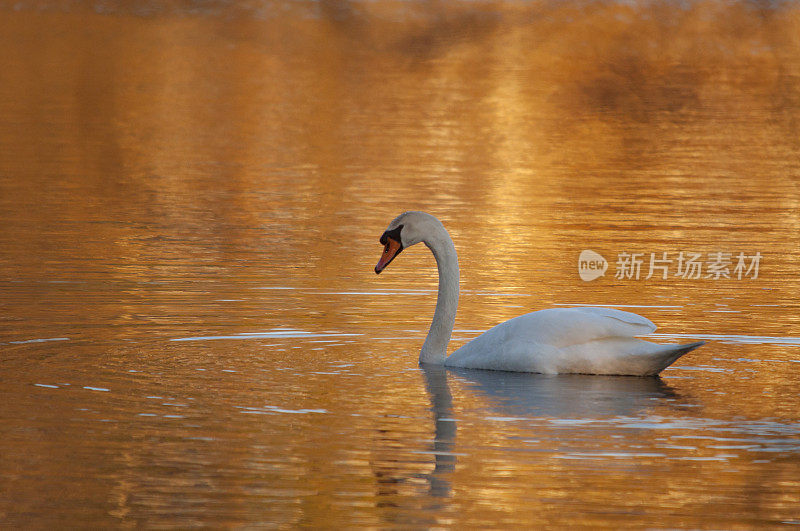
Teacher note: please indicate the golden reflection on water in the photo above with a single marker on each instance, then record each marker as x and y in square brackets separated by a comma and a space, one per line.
[166, 166]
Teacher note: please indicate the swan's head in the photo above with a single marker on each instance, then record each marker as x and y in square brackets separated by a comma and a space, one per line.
[407, 229]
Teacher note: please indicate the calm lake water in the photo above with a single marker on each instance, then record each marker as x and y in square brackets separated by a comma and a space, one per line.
[191, 195]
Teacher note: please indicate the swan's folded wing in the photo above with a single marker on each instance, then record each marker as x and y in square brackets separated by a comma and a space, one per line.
[630, 323]
[561, 327]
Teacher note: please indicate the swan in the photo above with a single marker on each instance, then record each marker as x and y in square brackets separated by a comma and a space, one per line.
[582, 340]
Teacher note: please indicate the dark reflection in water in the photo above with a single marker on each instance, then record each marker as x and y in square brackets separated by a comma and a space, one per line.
[567, 396]
[531, 397]
[445, 428]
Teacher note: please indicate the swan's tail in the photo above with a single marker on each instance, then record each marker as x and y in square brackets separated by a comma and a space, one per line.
[666, 356]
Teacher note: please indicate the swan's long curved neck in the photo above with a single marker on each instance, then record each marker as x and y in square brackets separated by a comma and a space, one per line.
[434, 350]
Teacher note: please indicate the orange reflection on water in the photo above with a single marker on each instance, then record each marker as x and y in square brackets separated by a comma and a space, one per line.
[163, 164]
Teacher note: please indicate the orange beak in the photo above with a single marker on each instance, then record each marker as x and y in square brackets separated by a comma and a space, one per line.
[390, 250]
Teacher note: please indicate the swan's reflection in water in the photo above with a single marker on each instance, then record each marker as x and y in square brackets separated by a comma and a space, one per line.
[555, 418]
[570, 396]
[444, 438]
[532, 397]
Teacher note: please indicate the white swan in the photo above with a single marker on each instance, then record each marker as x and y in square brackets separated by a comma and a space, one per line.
[554, 341]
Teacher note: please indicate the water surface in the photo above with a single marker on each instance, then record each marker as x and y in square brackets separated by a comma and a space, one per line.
[191, 194]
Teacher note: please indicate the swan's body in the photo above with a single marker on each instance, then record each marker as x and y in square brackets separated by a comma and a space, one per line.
[554, 341]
